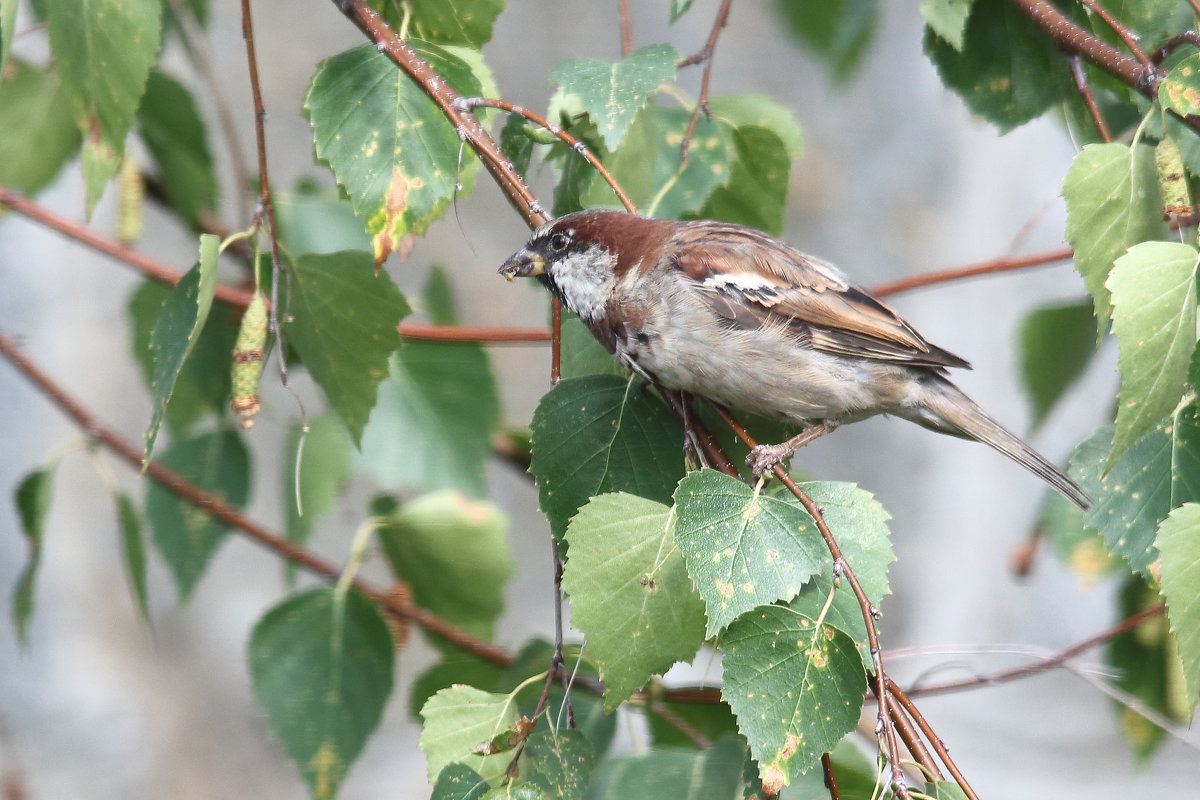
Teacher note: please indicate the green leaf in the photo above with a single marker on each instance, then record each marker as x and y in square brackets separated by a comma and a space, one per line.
[1112, 204]
[33, 504]
[202, 386]
[516, 143]
[344, 328]
[1079, 546]
[679, 8]
[757, 191]
[649, 168]
[177, 330]
[742, 549]
[133, 551]
[711, 720]
[1006, 70]
[582, 354]
[759, 111]
[1178, 544]
[460, 719]
[459, 782]
[858, 777]
[948, 19]
[837, 30]
[313, 220]
[600, 434]
[187, 536]
[453, 553]
[1153, 290]
[630, 592]
[713, 774]
[575, 174]
[387, 143]
[517, 790]
[175, 135]
[945, 790]
[1179, 91]
[8, 21]
[796, 687]
[611, 94]
[1057, 342]
[466, 22]
[321, 668]
[39, 130]
[1160, 472]
[431, 427]
[455, 667]
[312, 486]
[560, 764]
[103, 49]
[859, 524]
[1152, 21]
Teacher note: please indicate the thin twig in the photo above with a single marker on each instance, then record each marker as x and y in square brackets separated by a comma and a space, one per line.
[830, 778]
[702, 437]
[911, 709]
[84, 235]
[1187, 37]
[706, 56]
[1045, 664]
[219, 509]
[240, 298]
[626, 28]
[1004, 264]
[580, 147]
[473, 333]
[912, 739]
[1127, 36]
[1089, 99]
[266, 205]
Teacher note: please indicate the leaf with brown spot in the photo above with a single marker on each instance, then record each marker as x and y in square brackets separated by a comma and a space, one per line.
[387, 143]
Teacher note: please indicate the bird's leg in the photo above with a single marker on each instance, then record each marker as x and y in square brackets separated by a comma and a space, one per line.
[693, 452]
[764, 457]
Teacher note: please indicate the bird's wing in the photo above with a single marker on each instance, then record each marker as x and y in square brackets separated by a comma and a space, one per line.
[751, 279]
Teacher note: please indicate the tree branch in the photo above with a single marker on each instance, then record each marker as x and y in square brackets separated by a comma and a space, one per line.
[1003, 264]
[1045, 664]
[219, 509]
[705, 56]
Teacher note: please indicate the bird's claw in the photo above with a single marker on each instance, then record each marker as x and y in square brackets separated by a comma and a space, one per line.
[764, 457]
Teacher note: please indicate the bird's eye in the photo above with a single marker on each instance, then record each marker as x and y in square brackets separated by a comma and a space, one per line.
[559, 242]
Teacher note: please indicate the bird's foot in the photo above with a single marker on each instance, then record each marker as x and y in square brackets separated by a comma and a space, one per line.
[765, 457]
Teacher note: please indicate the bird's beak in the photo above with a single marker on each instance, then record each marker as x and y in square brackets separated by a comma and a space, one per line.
[523, 264]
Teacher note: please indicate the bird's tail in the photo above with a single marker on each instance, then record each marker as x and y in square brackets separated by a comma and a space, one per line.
[947, 409]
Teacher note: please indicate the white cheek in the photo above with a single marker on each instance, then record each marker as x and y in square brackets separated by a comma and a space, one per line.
[586, 284]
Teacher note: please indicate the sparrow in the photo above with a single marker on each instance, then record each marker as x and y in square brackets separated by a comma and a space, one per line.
[734, 315]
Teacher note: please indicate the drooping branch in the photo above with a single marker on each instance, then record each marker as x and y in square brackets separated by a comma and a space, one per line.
[705, 56]
[219, 509]
[842, 568]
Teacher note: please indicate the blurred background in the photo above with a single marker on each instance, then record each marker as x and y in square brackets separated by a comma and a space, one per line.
[897, 179]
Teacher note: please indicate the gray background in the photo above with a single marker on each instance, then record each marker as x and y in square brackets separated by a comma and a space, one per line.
[897, 179]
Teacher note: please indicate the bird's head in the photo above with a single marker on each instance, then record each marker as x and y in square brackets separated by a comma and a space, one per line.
[581, 256]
